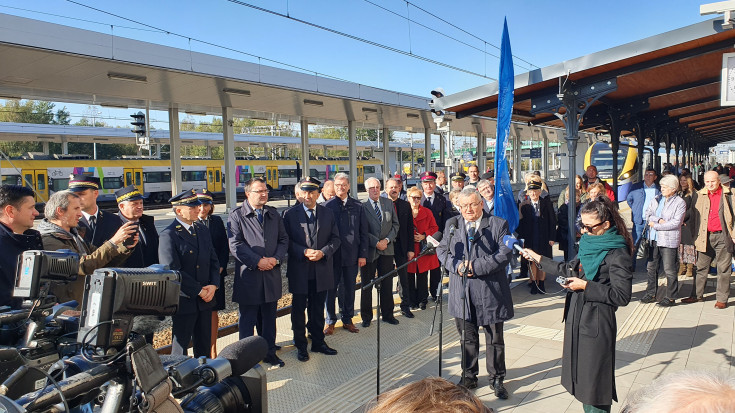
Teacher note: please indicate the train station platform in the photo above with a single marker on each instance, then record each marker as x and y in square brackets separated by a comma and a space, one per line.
[652, 341]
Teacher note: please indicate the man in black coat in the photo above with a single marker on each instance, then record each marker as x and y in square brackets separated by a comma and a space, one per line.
[313, 240]
[130, 202]
[476, 249]
[96, 226]
[258, 257]
[442, 210]
[186, 247]
[17, 213]
[352, 254]
[403, 248]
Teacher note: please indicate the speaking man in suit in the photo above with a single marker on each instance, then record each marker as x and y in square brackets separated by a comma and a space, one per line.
[403, 246]
[352, 254]
[186, 246]
[130, 203]
[383, 230]
[313, 241]
[258, 257]
[442, 210]
[475, 249]
[96, 226]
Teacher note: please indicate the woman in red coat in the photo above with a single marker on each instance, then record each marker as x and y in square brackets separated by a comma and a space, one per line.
[424, 225]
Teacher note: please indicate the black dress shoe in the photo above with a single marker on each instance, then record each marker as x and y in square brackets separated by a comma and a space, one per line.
[278, 347]
[667, 302]
[391, 320]
[422, 306]
[274, 360]
[302, 355]
[407, 313]
[468, 383]
[414, 307]
[366, 324]
[648, 298]
[500, 391]
[324, 349]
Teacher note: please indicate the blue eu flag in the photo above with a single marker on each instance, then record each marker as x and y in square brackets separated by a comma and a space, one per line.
[505, 205]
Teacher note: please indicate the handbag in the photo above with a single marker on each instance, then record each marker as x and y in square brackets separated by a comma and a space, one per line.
[643, 246]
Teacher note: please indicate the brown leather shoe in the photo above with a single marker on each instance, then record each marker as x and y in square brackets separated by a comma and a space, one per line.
[692, 300]
[720, 305]
[329, 330]
[351, 328]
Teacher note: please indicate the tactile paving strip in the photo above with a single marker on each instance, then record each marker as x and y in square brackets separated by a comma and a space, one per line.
[638, 331]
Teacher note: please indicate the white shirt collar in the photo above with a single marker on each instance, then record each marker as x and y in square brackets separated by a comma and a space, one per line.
[184, 224]
[95, 215]
[307, 209]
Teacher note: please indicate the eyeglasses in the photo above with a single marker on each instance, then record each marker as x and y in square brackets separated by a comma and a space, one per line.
[471, 205]
[261, 192]
[416, 198]
[590, 228]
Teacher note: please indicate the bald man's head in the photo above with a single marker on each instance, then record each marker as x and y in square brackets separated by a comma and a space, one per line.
[711, 181]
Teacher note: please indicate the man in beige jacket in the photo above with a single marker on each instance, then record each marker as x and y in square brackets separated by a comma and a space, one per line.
[712, 229]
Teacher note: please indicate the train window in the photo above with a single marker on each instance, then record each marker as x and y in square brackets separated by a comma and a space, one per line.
[217, 175]
[137, 178]
[188, 176]
[156, 177]
[41, 182]
[10, 180]
[245, 176]
[287, 173]
[29, 180]
[112, 183]
[128, 178]
[369, 169]
[60, 184]
[210, 176]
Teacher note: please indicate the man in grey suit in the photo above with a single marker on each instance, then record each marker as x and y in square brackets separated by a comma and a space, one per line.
[382, 231]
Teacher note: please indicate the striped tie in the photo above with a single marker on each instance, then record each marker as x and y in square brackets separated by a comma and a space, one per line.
[377, 211]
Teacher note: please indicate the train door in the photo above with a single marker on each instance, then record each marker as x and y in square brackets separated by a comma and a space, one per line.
[271, 175]
[134, 176]
[37, 179]
[214, 179]
[360, 174]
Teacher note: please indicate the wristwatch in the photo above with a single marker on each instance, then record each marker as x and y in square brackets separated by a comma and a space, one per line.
[278, 262]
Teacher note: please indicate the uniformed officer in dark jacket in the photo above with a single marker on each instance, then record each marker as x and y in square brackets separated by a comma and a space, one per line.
[259, 243]
[96, 226]
[218, 232]
[130, 202]
[186, 246]
[442, 210]
[17, 213]
[458, 180]
[313, 241]
[476, 248]
[353, 233]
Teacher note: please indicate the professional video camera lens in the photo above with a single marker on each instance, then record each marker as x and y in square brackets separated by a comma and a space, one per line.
[228, 396]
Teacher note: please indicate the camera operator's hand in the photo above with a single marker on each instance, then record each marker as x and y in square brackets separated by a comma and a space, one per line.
[125, 231]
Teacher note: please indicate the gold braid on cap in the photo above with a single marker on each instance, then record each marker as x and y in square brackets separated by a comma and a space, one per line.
[125, 197]
[184, 200]
[75, 184]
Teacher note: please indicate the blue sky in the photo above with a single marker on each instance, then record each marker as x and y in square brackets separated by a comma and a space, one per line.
[542, 32]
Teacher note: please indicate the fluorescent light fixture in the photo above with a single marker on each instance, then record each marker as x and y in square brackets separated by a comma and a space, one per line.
[114, 105]
[313, 102]
[46, 138]
[10, 97]
[412, 115]
[254, 118]
[240, 92]
[127, 77]
[193, 112]
[100, 139]
[187, 141]
[371, 110]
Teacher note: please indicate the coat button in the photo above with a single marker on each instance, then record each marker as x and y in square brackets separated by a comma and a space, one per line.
[191, 252]
[197, 266]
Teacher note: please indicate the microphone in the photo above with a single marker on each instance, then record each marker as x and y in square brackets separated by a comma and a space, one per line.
[471, 234]
[514, 244]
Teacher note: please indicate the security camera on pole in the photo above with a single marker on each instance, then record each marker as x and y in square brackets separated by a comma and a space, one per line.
[438, 113]
[140, 130]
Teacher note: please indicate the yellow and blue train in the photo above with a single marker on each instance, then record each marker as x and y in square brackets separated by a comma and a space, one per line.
[600, 154]
[153, 176]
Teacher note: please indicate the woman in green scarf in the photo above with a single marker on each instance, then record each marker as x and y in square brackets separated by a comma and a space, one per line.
[599, 280]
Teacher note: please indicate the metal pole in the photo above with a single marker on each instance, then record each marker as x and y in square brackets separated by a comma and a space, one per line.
[352, 139]
[230, 165]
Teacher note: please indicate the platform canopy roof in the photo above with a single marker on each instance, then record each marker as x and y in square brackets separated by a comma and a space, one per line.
[665, 84]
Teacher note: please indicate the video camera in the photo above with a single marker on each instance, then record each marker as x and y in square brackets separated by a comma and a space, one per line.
[35, 267]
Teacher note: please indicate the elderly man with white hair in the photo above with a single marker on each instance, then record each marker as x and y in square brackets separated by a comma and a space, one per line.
[664, 217]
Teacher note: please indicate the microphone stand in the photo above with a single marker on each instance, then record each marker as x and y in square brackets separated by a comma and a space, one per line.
[376, 282]
[464, 273]
[439, 304]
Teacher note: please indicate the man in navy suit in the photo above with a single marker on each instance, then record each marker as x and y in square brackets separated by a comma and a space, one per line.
[258, 259]
[186, 246]
[403, 248]
[486, 188]
[145, 253]
[313, 241]
[96, 226]
[442, 210]
[352, 254]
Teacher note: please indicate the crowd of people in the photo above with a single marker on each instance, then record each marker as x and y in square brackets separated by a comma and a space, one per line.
[329, 239]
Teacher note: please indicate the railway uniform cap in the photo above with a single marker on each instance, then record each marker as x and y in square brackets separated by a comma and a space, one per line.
[129, 193]
[309, 184]
[186, 198]
[428, 176]
[488, 175]
[534, 185]
[205, 196]
[79, 183]
[458, 176]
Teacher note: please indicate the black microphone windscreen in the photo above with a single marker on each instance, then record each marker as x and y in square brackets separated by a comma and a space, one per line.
[243, 355]
[146, 324]
[438, 236]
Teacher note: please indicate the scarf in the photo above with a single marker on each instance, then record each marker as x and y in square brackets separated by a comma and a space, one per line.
[48, 227]
[594, 248]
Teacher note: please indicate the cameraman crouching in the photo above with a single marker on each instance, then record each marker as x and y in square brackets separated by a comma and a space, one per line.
[59, 231]
[17, 212]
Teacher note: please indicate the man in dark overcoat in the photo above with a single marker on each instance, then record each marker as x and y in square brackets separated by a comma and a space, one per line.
[186, 246]
[258, 257]
[475, 248]
[403, 248]
[352, 254]
[313, 240]
[96, 226]
[130, 203]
